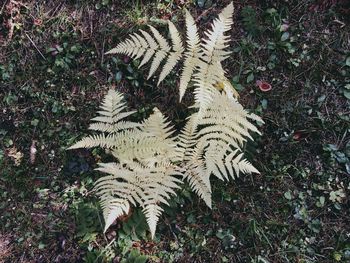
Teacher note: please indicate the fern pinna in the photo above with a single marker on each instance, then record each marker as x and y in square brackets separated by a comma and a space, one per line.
[151, 163]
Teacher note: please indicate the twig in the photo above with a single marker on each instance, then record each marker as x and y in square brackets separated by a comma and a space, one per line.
[41, 54]
[103, 50]
[204, 13]
[3, 6]
[18, 3]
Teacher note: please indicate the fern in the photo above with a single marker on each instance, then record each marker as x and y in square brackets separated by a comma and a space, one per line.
[192, 54]
[150, 162]
[221, 133]
[250, 21]
[202, 60]
[144, 173]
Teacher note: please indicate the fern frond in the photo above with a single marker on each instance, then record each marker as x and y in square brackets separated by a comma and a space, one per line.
[146, 46]
[150, 161]
[162, 42]
[110, 121]
[145, 174]
[192, 54]
[157, 125]
[109, 128]
[243, 165]
[111, 114]
[186, 139]
[140, 147]
[152, 213]
[146, 186]
[135, 47]
[210, 71]
[159, 189]
[164, 48]
[175, 38]
[198, 179]
[213, 47]
[222, 128]
[153, 47]
[175, 55]
[122, 183]
[113, 208]
[99, 140]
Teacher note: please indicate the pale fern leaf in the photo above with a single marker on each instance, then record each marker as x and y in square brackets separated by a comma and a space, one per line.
[175, 55]
[113, 128]
[133, 47]
[192, 54]
[113, 208]
[222, 128]
[153, 47]
[163, 43]
[99, 140]
[152, 213]
[150, 161]
[111, 114]
[217, 41]
[210, 71]
[161, 53]
[175, 38]
[158, 58]
[198, 180]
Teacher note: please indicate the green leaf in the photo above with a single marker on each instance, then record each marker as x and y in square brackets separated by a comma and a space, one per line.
[105, 2]
[346, 94]
[347, 61]
[201, 3]
[288, 195]
[337, 256]
[284, 36]
[74, 49]
[321, 98]
[118, 76]
[41, 245]
[220, 234]
[34, 122]
[141, 259]
[250, 78]
[322, 200]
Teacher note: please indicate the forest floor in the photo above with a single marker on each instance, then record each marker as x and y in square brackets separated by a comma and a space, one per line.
[54, 72]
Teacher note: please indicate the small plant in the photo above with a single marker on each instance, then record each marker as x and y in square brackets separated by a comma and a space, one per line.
[152, 162]
[250, 21]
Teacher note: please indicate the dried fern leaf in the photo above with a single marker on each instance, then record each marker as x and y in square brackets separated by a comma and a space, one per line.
[99, 140]
[135, 46]
[198, 180]
[213, 47]
[221, 129]
[153, 47]
[110, 121]
[210, 71]
[175, 55]
[146, 186]
[112, 209]
[163, 51]
[111, 113]
[192, 53]
[159, 189]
